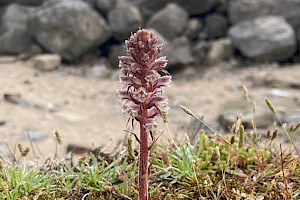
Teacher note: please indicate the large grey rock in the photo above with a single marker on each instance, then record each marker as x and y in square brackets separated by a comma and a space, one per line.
[216, 25]
[30, 2]
[266, 38]
[170, 21]
[179, 52]
[249, 9]
[104, 5]
[124, 19]
[14, 34]
[264, 118]
[148, 8]
[195, 7]
[68, 28]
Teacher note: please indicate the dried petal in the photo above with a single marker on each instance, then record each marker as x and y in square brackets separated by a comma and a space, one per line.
[160, 63]
[130, 80]
[150, 125]
[124, 94]
[140, 95]
[163, 81]
[153, 111]
[151, 76]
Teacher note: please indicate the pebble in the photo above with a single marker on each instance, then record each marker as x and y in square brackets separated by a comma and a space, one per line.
[47, 62]
[34, 136]
[70, 117]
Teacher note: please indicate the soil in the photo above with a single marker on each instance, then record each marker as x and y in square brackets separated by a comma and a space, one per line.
[87, 112]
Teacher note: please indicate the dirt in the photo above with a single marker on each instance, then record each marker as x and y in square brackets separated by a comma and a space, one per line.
[87, 111]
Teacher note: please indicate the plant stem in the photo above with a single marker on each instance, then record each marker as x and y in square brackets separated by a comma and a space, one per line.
[143, 164]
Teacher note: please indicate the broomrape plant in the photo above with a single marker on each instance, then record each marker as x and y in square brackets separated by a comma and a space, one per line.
[142, 93]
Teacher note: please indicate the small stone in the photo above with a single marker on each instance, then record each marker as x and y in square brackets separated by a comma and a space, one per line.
[3, 148]
[70, 117]
[47, 62]
[278, 93]
[219, 51]
[34, 136]
[2, 122]
[12, 98]
[98, 72]
[78, 149]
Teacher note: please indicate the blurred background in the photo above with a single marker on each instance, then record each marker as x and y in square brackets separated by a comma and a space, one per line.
[59, 66]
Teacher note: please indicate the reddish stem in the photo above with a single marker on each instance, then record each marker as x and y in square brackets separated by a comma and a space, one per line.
[143, 164]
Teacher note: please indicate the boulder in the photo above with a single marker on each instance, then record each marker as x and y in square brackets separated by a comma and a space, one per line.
[4, 3]
[68, 28]
[251, 9]
[14, 33]
[179, 52]
[216, 25]
[264, 118]
[170, 21]
[268, 38]
[196, 7]
[30, 2]
[124, 19]
[104, 6]
[148, 8]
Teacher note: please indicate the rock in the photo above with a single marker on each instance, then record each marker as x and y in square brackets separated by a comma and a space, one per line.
[115, 52]
[34, 136]
[264, 118]
[47, 62]
[30, 2]
[124, 19]
[78, 149]
[200, 51]
[179, 52]
[196, 7]
[4, 3]
[70, 117]
[12, 98]
[251, 9]
[105, 6]
[170, 21]
[14, 34]
[193, 28]
[268, 38]
[216, 25]
[2, 122]
[278, 93]
[4, 148]
[98, 72]
[68, 28]
[148, 8]
[7, 59]
[219, 51]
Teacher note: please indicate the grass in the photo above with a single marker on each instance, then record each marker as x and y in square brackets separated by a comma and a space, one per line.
[239, 165]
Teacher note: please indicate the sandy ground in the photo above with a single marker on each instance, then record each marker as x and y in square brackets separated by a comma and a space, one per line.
[87, 111]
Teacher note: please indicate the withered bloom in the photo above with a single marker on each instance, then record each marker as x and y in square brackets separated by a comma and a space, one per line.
[142, 80]
[142, 92]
